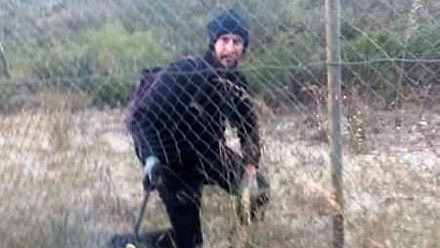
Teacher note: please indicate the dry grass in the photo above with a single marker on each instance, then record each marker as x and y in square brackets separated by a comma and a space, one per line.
[70, 179]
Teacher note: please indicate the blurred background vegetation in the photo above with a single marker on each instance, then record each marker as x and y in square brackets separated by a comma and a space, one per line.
[96, 48]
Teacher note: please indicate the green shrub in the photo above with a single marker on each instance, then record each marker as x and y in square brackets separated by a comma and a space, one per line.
[379, 73]
[103, 64]
[112, 91]
[117, 51]
[100, 52]
[425, 42]
[285, 66]
[7, 90]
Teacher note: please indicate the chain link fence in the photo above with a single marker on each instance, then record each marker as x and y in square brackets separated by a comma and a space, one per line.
[69, 173]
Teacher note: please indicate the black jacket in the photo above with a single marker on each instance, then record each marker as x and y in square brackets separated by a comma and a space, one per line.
[183, 113]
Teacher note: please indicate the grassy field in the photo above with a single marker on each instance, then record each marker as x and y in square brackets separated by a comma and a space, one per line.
[69, 178]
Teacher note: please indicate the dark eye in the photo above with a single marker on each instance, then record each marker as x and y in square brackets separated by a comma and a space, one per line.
[225, 39]
[238, 40]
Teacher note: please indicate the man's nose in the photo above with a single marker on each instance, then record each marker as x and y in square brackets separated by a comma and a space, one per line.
[229, 46]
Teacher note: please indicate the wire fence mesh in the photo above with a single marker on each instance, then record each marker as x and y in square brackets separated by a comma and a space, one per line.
[70, 176]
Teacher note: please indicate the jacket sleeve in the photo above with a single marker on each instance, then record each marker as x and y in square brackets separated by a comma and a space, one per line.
[245, 120]
[151, 116]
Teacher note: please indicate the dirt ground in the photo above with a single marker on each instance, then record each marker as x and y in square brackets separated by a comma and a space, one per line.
[70, 179]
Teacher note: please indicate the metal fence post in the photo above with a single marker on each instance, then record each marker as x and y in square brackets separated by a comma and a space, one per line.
[334, 112]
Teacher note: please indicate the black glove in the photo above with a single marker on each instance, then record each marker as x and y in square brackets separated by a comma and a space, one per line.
[151, 173]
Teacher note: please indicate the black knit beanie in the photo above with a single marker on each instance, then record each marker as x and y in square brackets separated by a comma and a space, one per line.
[227, 22]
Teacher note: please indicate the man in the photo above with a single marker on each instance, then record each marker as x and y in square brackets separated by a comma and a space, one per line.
[178, 126]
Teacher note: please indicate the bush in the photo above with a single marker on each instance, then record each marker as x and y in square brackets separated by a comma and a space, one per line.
[83, 47]
[282, 70]
[379, 73]
[103, 64]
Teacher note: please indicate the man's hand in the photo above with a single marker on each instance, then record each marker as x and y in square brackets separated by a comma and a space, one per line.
[151, 173]
[250, 169]
[250, 179]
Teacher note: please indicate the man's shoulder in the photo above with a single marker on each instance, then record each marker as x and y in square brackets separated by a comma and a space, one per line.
[191, 63]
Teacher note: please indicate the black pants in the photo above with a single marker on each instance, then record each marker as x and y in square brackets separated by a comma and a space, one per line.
[181, 191]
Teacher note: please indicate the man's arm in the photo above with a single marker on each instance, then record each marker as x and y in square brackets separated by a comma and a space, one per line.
[245, 120]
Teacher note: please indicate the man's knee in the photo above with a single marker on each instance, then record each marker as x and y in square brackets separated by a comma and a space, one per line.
[180, 197]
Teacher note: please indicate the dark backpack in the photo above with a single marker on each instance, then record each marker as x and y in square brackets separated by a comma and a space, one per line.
[148, 75]
[138, 89]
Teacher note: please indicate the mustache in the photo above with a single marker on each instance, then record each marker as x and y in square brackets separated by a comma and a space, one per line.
[229, 56]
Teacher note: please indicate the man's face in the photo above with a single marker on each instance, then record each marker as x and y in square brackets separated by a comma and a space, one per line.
[229, 49]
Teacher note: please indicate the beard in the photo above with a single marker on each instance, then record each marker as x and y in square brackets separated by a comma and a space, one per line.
[228, 61]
